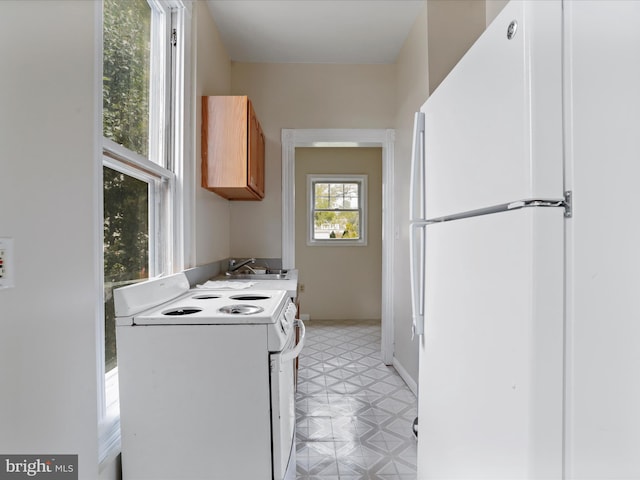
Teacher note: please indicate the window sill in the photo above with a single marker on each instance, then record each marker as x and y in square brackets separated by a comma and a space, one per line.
[337, 243]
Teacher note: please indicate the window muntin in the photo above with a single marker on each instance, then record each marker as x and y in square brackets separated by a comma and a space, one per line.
[337, 209]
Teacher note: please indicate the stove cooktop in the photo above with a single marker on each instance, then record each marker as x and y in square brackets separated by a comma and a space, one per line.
[215, 307]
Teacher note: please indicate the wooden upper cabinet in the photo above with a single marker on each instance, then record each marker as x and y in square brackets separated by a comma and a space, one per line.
[232, 148]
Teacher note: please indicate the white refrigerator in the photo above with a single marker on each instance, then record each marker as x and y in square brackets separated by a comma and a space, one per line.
[525, 271]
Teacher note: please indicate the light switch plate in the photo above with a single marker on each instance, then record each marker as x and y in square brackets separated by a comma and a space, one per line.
[6, 263]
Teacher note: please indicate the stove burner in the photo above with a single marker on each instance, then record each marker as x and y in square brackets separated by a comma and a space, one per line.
[241, 309]
[250, 297]
[182, 311]
[205, 297]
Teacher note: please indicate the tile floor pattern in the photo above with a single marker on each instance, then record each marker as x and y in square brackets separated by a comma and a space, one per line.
[354, 414]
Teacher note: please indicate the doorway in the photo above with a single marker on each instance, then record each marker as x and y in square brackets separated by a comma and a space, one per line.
[339, 232]
[293, 138]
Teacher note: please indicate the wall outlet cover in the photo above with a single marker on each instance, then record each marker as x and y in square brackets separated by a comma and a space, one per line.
[6, 263]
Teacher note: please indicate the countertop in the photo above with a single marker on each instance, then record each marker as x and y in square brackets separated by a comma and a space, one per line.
[290, 284]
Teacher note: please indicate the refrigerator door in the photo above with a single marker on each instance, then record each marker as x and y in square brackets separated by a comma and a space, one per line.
[603, 324]
[491, 358]
[493, 128]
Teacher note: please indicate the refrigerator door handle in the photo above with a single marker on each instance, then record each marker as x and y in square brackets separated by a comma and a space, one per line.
[417, 246]
[417, 181]
[417, 214]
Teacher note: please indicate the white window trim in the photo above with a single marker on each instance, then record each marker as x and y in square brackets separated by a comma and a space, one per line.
[362, 202]
[183, 138]
[161, 195]
[108, 427]
[182, 185]
[160, 92]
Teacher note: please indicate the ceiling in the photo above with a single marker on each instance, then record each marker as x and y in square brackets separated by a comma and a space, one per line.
[314, 31]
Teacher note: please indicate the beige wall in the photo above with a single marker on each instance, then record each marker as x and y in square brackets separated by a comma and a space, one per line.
[301, 96]
[494, 7]
[440, 36]
[412, 90]
[351, 96]
[50, 160]
[212, 77]
[340, 282]
[453, 26]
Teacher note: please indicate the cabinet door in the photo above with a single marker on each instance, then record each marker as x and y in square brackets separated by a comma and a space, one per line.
[232, 148]
[224, 144]
[255, 166]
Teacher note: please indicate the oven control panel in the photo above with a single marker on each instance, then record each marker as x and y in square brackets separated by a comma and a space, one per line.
[288, 317]
[283, 328]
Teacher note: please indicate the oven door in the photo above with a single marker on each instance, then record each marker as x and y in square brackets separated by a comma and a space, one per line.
[283, 406]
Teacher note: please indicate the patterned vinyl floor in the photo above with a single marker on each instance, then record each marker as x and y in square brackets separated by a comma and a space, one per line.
[354, 414]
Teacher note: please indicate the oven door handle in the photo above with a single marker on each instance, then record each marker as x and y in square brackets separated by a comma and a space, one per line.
[293, 353]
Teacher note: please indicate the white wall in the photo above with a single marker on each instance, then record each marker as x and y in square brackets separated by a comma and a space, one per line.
[48, 157]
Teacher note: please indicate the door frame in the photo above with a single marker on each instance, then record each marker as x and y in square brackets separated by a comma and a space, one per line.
[383, 138]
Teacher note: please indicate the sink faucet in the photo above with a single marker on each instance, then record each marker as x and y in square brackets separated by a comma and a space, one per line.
[234, 265]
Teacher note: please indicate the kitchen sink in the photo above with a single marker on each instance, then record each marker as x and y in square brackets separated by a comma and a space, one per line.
[271, 274]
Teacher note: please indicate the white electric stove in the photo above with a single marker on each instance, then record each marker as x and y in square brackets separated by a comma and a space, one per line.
[206, 382]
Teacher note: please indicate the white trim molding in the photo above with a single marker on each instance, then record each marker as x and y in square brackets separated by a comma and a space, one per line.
[411, 383]
[362, 209]
[384, 138]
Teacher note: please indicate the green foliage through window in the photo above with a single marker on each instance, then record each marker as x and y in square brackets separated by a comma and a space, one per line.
[126, 243]
[126, 99]
[336, 210]
[126, 73]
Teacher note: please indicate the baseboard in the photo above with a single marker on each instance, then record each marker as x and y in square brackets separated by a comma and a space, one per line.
[413, 386]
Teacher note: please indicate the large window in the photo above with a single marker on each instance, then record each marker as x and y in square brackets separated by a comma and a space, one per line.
[337, 209]
[142, 122]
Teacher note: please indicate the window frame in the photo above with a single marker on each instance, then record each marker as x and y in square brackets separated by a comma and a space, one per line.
[170, 185]
[312, 179]
[161, 199]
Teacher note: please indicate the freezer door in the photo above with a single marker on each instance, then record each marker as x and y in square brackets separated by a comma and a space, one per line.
[491, 358]
[493, 128]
